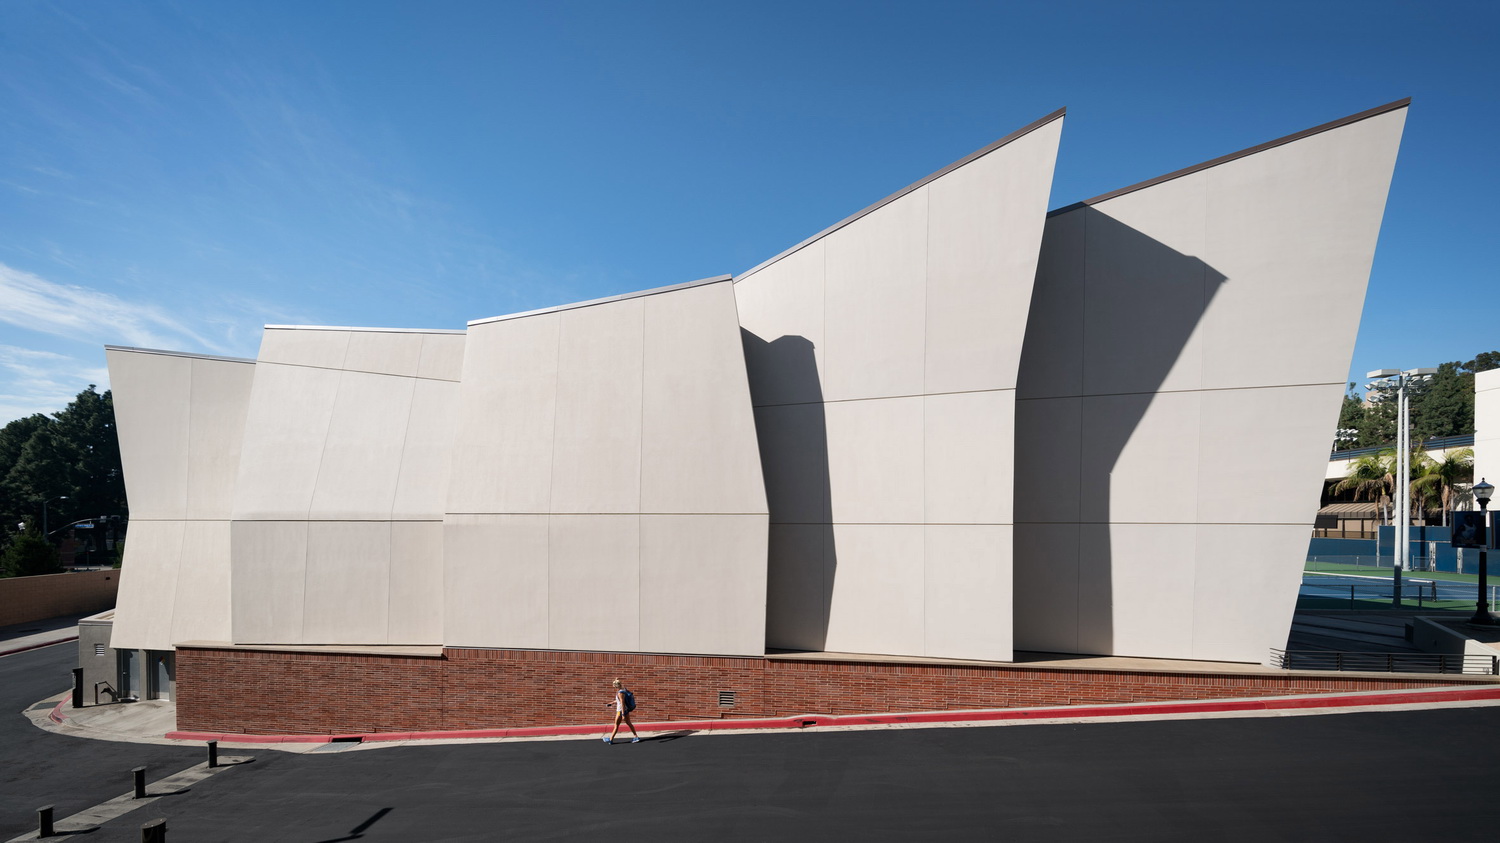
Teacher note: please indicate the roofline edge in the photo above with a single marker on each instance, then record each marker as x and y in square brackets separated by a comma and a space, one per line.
[1234, 156]
[973, 156]
[188, 354]
[701, 282]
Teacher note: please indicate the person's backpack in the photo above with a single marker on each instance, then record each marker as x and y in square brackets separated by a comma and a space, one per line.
[629, 699]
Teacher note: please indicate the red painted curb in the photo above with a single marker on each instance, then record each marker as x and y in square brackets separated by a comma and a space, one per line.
[36, 646]
[813, 720]
[56, 715]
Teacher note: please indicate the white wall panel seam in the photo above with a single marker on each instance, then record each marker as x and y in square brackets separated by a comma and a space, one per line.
[914, 395]
[926, 293]
[342, 368]
[1180, 391]
[411, 409]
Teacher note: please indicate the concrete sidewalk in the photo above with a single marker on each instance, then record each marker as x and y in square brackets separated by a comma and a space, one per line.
[154, 721]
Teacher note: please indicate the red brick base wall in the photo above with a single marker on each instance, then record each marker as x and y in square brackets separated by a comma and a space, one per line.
[265, 692]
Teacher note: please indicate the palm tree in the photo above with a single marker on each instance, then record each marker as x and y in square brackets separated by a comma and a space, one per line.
[1372, 477]
[1441, 478]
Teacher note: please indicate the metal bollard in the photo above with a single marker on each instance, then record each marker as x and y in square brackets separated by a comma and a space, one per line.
[154, 831]
[140, 782]
[44, 821]
[213, 754]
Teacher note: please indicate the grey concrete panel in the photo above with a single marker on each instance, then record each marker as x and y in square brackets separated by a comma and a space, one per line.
[146, 600]
[1049, 466]
[495, 591]
[268, 580]
[1294, 229]
[285, 432]
[152, 400]
[968, 590]
[781, 312]
[361, 457]
[698, 444]
[1046, 583]
[798, 588]
[1052, 355]
[304, 347]
[794, 460]
[969, 443]
[383, 353]
[220, 402]
[1145, 268]
[442, 357]
[1245, 589]
[985, 222]
[347, 598]
[594, 580]
[416, 583]
[503, 445]
[596, 458]
[1271, 471]
[1140, 458]
[427, 452]
[1136, 582]
[878, 596]
[875, 312]
[875, 461]
[703, 584]
[202, 608]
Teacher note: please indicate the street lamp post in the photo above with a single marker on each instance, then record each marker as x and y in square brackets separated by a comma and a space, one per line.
[1403, 466]
[1482, 616]
[44, 512]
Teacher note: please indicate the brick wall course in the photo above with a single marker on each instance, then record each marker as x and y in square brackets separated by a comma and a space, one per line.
[268, 692]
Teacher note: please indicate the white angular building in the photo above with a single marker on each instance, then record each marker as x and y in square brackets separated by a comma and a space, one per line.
[951, 426]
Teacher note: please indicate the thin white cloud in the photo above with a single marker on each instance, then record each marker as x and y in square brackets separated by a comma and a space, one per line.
[35, 381]
[79, 313]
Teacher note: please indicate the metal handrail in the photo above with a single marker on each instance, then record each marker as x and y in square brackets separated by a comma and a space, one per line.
[1384, 662]
[1435, 442]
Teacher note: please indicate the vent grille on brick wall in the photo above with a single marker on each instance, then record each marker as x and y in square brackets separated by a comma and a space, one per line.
[726, 699]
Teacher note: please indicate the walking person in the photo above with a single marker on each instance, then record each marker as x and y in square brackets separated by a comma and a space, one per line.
[624, 703]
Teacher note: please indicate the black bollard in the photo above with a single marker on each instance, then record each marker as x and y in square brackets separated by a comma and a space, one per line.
[78, 687]
[44, 821]
[154, 831]
[213, 753]
[140, 782]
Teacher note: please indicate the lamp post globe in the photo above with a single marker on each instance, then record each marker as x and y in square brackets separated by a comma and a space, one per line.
[1482, 617]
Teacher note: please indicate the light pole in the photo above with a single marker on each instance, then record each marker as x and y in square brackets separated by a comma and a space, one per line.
[44, 513]
[1482, 616]
[1403, 465]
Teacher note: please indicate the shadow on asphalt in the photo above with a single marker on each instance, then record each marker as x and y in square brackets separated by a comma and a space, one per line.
[358, 831]
[670, 736]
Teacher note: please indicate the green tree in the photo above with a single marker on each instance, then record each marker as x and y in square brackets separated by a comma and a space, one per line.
[28, 556]
[70, 459]
[1438, 480]
[1351, 417]
[1370, 477]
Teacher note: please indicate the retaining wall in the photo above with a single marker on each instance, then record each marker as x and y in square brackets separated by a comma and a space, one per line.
[26, 599]
[266, 692]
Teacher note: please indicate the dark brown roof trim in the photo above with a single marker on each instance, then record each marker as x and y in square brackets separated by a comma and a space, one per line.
[1017, 134]
[1353, 118]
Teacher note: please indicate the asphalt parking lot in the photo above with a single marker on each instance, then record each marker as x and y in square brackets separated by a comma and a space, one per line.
[1365, 776]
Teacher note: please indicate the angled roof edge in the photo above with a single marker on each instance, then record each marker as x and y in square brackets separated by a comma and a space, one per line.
[717, 279]
[369, 330]
[1233, 156]
[187, 354]
[973, 156]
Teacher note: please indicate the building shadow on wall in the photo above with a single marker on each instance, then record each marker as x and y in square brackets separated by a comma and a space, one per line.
[1133, 303]
[792, 430]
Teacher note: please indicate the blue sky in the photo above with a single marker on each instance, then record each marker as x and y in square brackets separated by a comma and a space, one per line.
[176, 175]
